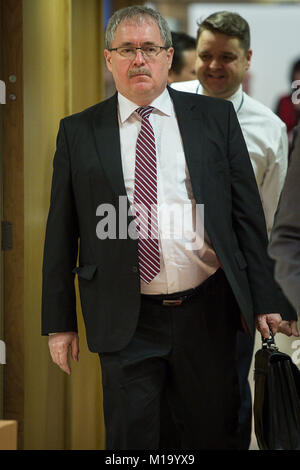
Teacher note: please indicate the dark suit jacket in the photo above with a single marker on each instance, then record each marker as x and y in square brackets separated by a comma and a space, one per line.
[88, 172]
[285, 237]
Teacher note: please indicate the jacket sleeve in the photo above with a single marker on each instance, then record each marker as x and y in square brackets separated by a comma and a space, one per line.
[61, 247]
[250, 228]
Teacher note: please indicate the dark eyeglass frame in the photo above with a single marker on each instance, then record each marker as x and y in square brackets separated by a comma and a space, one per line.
[141, 49]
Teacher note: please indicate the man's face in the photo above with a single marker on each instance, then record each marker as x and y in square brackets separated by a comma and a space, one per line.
[188, 71]
[221, 64]
[140, 79]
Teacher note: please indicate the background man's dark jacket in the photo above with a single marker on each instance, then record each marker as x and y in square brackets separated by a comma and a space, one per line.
[285, 236]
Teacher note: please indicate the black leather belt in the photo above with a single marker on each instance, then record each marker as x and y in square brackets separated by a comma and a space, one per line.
[173, 300]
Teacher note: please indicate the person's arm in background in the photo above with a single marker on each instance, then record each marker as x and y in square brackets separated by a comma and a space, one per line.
[269, 304]
[284, 245]
[274, 178]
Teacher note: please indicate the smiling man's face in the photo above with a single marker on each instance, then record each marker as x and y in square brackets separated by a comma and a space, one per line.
[140, 79]
[221, 64]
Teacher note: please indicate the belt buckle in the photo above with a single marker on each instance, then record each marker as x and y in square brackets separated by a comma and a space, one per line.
[172, 302]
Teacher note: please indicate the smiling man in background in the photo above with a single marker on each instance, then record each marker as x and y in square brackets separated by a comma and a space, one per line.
[223, 59]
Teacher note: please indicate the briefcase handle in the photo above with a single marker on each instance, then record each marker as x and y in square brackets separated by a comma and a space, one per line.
[269, 342]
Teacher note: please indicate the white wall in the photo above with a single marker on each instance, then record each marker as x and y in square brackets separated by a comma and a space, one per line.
[275, 40]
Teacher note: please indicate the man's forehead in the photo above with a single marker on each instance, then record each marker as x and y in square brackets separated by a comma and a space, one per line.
[224, 42]
[134, 32]
[138, 23]
[208, 48]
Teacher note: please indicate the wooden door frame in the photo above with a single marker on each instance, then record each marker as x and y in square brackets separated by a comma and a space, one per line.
[13, 210]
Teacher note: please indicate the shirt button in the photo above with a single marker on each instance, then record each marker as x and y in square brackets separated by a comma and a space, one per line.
[134, 269]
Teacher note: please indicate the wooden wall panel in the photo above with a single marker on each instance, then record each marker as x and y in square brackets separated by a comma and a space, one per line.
[44, 44]
[13, 211]
[84, 388]
[46, 101]
[62, 75]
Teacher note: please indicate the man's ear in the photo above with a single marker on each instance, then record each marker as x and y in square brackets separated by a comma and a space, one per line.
[107, 56]
[170, 53]
[248, 58]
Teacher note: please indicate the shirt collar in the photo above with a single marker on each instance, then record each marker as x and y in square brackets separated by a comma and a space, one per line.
[236, 99]
[162, 103]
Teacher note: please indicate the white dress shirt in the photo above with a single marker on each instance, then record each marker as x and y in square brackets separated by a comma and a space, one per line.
[182, 265]
[267, 142]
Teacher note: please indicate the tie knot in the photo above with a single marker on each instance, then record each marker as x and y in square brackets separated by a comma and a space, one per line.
[144, 111]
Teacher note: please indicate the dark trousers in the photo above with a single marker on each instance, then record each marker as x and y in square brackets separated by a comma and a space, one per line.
[185, 354]
[244, 354]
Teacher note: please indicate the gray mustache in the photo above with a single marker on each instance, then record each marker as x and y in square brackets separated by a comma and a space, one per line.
[139, 71]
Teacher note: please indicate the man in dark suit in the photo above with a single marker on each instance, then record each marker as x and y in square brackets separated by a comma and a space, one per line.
[285, 237]
[162, 296]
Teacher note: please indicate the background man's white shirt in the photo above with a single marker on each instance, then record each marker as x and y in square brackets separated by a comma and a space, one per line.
[267, 142]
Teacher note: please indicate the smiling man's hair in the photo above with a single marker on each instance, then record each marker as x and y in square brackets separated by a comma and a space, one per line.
[226, 22]
[137, 14]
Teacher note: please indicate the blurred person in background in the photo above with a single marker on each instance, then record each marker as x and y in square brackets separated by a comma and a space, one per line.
[284, 245]
[223, 58]
[183, 64]
[287, 108]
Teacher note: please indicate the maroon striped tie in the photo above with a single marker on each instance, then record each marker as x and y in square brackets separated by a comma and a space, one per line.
[145, 198]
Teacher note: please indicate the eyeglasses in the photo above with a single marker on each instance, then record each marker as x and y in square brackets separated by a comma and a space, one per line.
[131, 52]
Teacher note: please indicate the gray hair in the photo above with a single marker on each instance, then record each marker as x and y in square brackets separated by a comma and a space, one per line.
[137, 14]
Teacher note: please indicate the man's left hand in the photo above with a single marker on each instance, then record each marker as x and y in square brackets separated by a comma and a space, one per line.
[267, 322]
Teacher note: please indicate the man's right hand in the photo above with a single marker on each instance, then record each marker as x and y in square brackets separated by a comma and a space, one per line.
[59, 344]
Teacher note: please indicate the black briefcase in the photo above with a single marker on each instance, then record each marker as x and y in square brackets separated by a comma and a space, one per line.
[276, 399]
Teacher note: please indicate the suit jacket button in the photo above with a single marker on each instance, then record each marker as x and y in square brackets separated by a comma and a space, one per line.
[134, 269]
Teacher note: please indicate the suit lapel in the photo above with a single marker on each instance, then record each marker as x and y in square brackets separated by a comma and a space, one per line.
[189, 120]
[107, 135]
